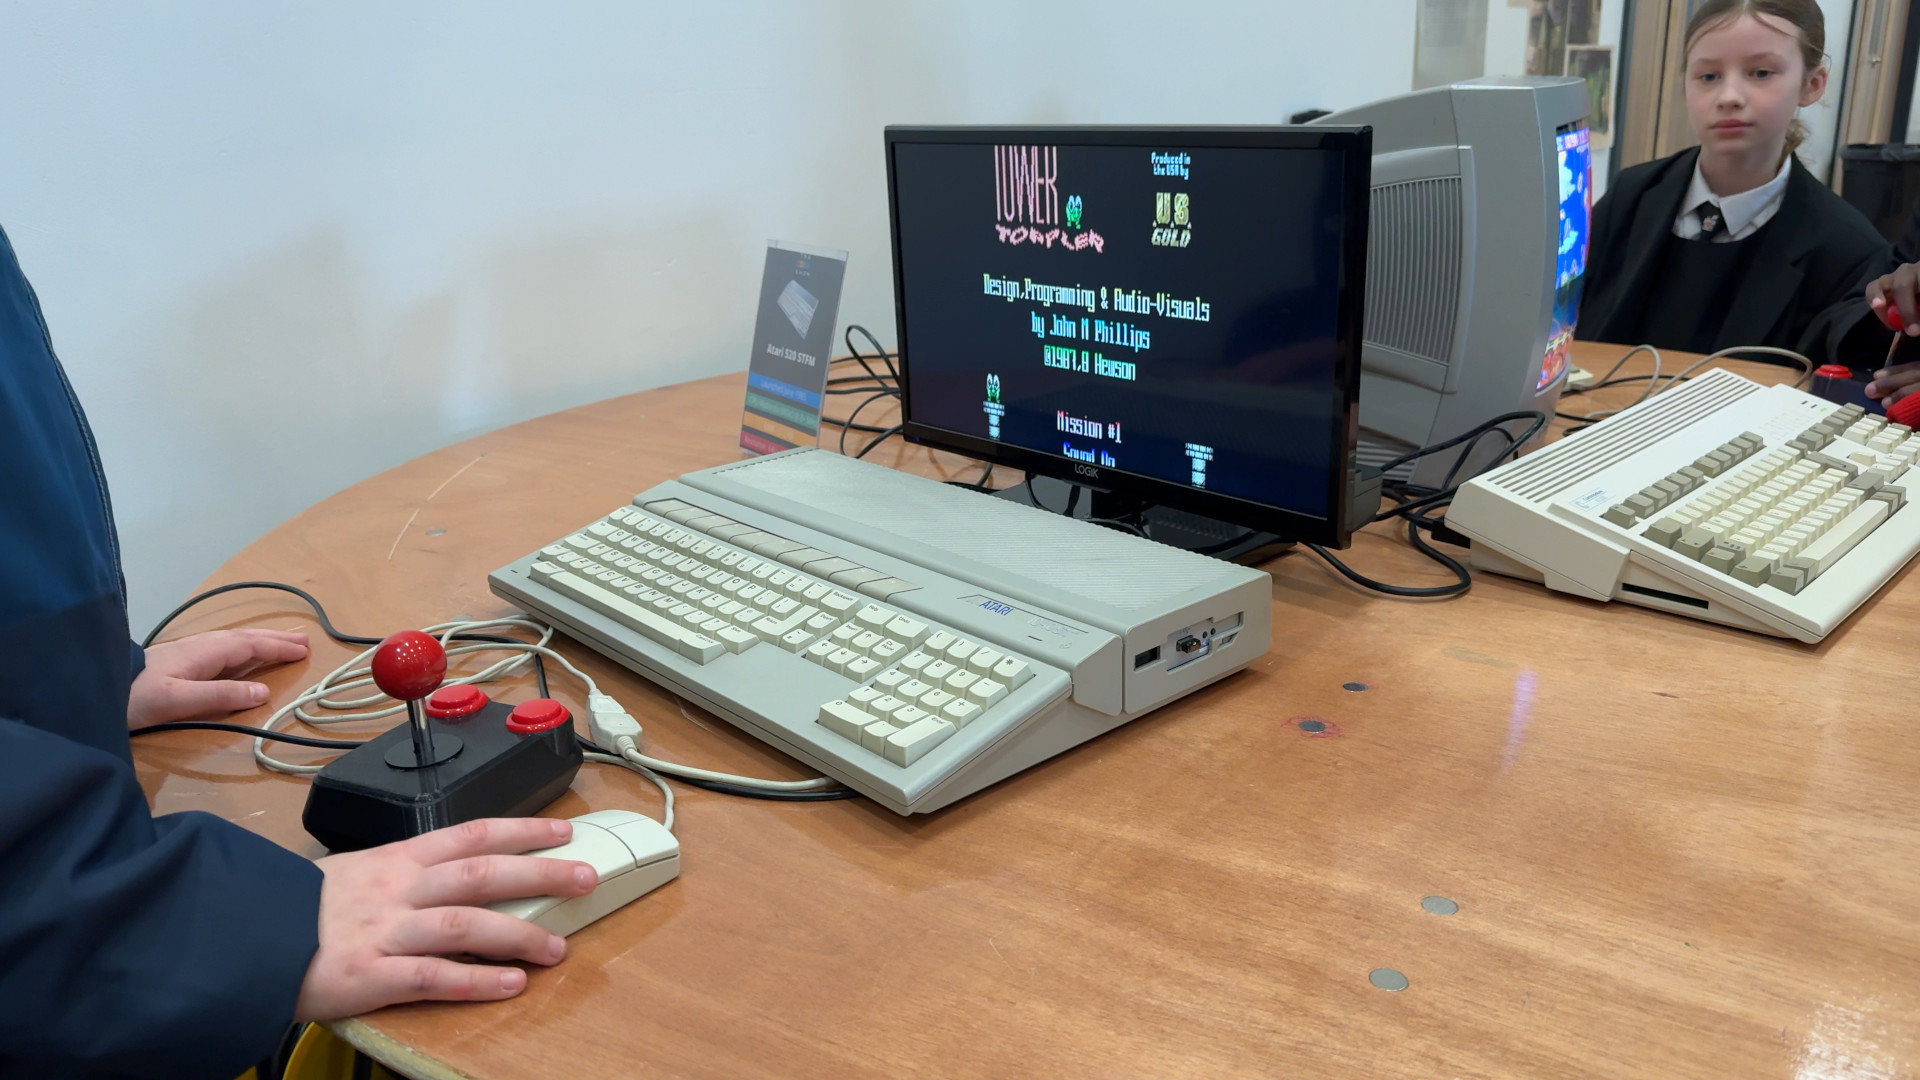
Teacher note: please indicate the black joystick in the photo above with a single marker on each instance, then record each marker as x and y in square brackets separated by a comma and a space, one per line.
[458, 757]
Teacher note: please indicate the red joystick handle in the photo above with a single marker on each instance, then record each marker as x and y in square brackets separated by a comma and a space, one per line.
[1891, 316]
[1905, 411]
[409, 665]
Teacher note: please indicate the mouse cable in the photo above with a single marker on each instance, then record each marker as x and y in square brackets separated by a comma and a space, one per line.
[594, 753]
[242, 729]
[666, 793]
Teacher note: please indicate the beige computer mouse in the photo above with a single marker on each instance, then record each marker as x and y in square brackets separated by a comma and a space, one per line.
[633, 854]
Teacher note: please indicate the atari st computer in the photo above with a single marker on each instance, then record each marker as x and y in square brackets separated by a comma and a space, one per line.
[1482, 193]
[1170, 314]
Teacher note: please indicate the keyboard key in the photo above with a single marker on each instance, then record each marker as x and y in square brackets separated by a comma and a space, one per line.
[958, 652]
[887, 587]
[796, 640]
[906, 629]
[844, 635]
[984, 660]
[939, 642]
[915, 661]
[864, 643]
[837, 602]
[823, 622]
[985, 693]
[840, 658]
[865, 696]
[958, 682]
[701, 649]
[934, 700]
[910, 744]
[874, 617]
[960, 713]
[734, 638]
[819, 651]
[862, 668]
[913, 690]
[909, 716]
[874, 736]
[937, 671]
[890, 679]
[887, 651]
[885, 706]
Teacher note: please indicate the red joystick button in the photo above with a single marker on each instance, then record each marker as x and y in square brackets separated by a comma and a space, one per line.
[409, 665]
[540, 714]
[1833, 371]
[460, 699]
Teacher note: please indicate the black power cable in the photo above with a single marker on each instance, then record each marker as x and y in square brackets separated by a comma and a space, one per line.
[242, 729]
[333, 632]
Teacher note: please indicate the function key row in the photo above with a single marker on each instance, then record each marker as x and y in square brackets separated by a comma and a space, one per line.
[821, 564]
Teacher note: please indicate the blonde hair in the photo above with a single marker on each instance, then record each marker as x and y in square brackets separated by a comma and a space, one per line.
[1803, 15]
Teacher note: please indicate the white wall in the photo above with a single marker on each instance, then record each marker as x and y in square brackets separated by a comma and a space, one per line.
[283, 247]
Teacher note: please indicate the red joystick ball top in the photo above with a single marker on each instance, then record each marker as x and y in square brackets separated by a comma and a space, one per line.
[409, 665]
[1905, 411]
[1891, 316]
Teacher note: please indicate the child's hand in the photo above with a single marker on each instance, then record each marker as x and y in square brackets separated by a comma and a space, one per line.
[1895, 298]
[197, 677]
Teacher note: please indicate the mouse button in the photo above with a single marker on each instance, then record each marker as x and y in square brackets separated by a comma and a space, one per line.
[594, 846]
[647, 839]
[526, 907]
[608, 819]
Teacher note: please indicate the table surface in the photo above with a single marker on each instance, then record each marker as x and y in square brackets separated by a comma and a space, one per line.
[1676, 849]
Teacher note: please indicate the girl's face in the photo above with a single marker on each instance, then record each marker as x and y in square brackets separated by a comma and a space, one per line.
[1745, 78]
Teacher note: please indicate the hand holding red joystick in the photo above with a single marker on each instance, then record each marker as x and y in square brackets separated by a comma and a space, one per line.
[408, 666]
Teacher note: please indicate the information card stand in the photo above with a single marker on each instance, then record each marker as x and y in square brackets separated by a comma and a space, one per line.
[792, 346]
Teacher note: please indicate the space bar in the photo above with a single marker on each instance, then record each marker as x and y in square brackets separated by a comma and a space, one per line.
[691, 644]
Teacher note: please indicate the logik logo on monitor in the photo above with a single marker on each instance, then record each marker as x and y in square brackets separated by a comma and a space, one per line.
[1027, 203]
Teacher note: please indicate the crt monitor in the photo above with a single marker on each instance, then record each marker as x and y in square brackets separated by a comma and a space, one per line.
[1482, 192]
[1168, 316]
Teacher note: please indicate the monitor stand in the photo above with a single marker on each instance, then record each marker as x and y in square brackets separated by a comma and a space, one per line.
[1163, 524]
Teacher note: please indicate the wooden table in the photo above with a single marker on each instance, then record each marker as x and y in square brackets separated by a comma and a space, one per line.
[1676, 849]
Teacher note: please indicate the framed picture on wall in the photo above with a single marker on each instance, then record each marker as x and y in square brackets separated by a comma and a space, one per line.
[1594, 63]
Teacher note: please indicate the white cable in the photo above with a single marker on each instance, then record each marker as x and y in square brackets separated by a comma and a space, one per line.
[1806, 365]
[1653, 381]
[354, 674]
[666, 793]
[691, 773]
[609, 724]
[612, 727]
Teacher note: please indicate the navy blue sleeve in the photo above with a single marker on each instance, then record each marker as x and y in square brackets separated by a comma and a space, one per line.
[135, 945]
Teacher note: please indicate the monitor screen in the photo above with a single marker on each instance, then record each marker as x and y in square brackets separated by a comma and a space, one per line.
[1170, 313]
[1573, 147]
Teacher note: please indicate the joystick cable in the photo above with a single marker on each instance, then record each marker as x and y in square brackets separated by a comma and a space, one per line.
[355, 674]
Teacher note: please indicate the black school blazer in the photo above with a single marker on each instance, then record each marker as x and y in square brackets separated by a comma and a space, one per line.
[1808, 272]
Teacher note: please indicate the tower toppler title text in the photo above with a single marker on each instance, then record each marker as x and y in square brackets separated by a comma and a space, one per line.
[1027, 203]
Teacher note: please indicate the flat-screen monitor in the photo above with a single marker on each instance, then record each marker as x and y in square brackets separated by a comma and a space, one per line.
[1170, 314]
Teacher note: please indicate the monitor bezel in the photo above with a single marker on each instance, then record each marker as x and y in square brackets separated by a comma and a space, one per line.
[1355, 142]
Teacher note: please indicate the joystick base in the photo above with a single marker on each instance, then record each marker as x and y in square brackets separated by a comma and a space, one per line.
[360, 800]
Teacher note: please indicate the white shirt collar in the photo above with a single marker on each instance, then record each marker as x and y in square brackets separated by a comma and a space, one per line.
[1737, 210]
